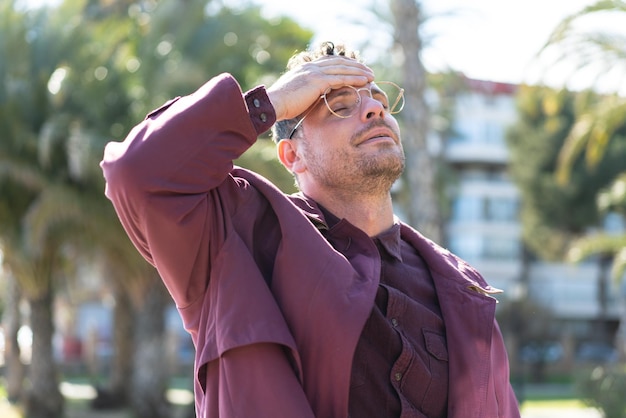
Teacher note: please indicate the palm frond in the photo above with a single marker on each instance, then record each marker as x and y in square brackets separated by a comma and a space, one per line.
[619, 264]
[54, 209]
[609, 117]
[591, 133]
[599, 244]
[22, 173]
[564, 29]
[588, 49]
[614, 197]
[573, 146]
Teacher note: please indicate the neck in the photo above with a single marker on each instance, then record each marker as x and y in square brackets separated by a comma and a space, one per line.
[371, 214]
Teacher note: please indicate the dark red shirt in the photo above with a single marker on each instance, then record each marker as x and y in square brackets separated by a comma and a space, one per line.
[400, 367]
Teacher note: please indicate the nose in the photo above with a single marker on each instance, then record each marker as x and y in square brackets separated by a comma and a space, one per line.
[370, 107]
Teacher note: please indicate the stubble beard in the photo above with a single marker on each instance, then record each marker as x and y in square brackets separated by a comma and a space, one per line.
[365, 174]
[379, 174]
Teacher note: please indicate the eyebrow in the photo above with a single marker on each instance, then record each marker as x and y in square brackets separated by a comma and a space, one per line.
[375, 89]
[341, 91]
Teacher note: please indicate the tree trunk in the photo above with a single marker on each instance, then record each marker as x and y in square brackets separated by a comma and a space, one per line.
[420, 171]
[150, 374]
[124, 343]
[43, 398]
[519, 330]
[14, 368]
[115, 394]
[620, 338]
[602, 296]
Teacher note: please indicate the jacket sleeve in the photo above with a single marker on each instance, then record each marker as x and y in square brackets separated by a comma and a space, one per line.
[163, 178]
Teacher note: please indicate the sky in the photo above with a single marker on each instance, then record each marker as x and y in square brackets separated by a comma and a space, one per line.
[495, 40]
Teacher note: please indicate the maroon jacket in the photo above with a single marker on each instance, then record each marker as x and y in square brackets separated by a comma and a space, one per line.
[274, 311]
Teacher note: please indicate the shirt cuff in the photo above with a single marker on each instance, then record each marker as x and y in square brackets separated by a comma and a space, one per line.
[260, 109]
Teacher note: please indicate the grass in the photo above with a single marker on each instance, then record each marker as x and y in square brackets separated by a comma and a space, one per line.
[76, 408]
[78, 393]
[559, 398]
[6, 409]
[9, 411]
[557, 407]
[561, 404]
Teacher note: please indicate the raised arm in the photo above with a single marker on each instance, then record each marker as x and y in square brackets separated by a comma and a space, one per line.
[162, 178]
[165, 178]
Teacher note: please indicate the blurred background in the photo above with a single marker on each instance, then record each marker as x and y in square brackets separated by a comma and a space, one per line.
[515, 137]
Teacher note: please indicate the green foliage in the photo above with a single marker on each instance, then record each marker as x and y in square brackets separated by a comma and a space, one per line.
[85, 72]
[598, 122]
[554, 213]
[594, 50]
[77, 75]
[244, 44]
[261, 158]
[604, 388]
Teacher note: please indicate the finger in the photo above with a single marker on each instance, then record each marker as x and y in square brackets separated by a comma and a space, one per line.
[339, 73]
[296, 90]
[338, 61]
[342, 65]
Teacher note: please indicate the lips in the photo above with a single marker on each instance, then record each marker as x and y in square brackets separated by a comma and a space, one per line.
[377, 133]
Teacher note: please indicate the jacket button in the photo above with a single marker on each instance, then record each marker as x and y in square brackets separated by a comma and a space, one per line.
[394, 322]
[263, 117]
[398, 376]
[256, 102]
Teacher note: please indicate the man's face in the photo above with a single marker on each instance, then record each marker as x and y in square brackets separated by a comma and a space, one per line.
[357, 153]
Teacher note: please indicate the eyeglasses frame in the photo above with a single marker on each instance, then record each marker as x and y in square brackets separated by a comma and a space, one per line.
[358, 90]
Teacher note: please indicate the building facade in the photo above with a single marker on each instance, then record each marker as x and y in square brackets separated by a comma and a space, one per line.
[484, 226]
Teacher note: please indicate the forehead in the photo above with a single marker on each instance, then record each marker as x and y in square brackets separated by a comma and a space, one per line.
[373, 87]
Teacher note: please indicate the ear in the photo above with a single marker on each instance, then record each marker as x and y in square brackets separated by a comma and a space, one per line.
[289, 155]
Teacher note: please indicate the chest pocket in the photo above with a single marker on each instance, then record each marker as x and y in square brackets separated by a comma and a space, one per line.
[425, 385]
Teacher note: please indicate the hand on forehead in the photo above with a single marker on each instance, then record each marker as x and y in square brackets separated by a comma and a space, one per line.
[344, 67]
[299, 88]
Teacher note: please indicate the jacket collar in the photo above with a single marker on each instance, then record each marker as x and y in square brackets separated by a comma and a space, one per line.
[321, 218]
[310, 209]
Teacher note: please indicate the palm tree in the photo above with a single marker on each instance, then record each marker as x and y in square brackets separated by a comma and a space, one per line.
[11, 322]
[420, 174]
[71, 87]
[32, 266]
[45, 172]
[604, 53]
[138, 57]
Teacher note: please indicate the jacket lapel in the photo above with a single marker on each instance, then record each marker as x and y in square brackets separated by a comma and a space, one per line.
[468, 309]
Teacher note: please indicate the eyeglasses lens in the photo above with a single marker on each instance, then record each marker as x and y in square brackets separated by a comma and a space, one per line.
[344, 102]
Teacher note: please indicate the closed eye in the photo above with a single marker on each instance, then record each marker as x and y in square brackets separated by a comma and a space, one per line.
[381, 97]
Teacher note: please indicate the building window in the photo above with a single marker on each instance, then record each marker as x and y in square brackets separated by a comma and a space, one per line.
[468, 247]
[502, 209]
[467, 208]
[480, 208]
[497, 248]
[493, 133]
[475, 247]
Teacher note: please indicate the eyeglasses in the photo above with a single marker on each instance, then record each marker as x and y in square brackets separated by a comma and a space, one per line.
[345, 101]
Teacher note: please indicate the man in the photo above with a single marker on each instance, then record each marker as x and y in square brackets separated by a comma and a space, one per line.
[320, 304]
